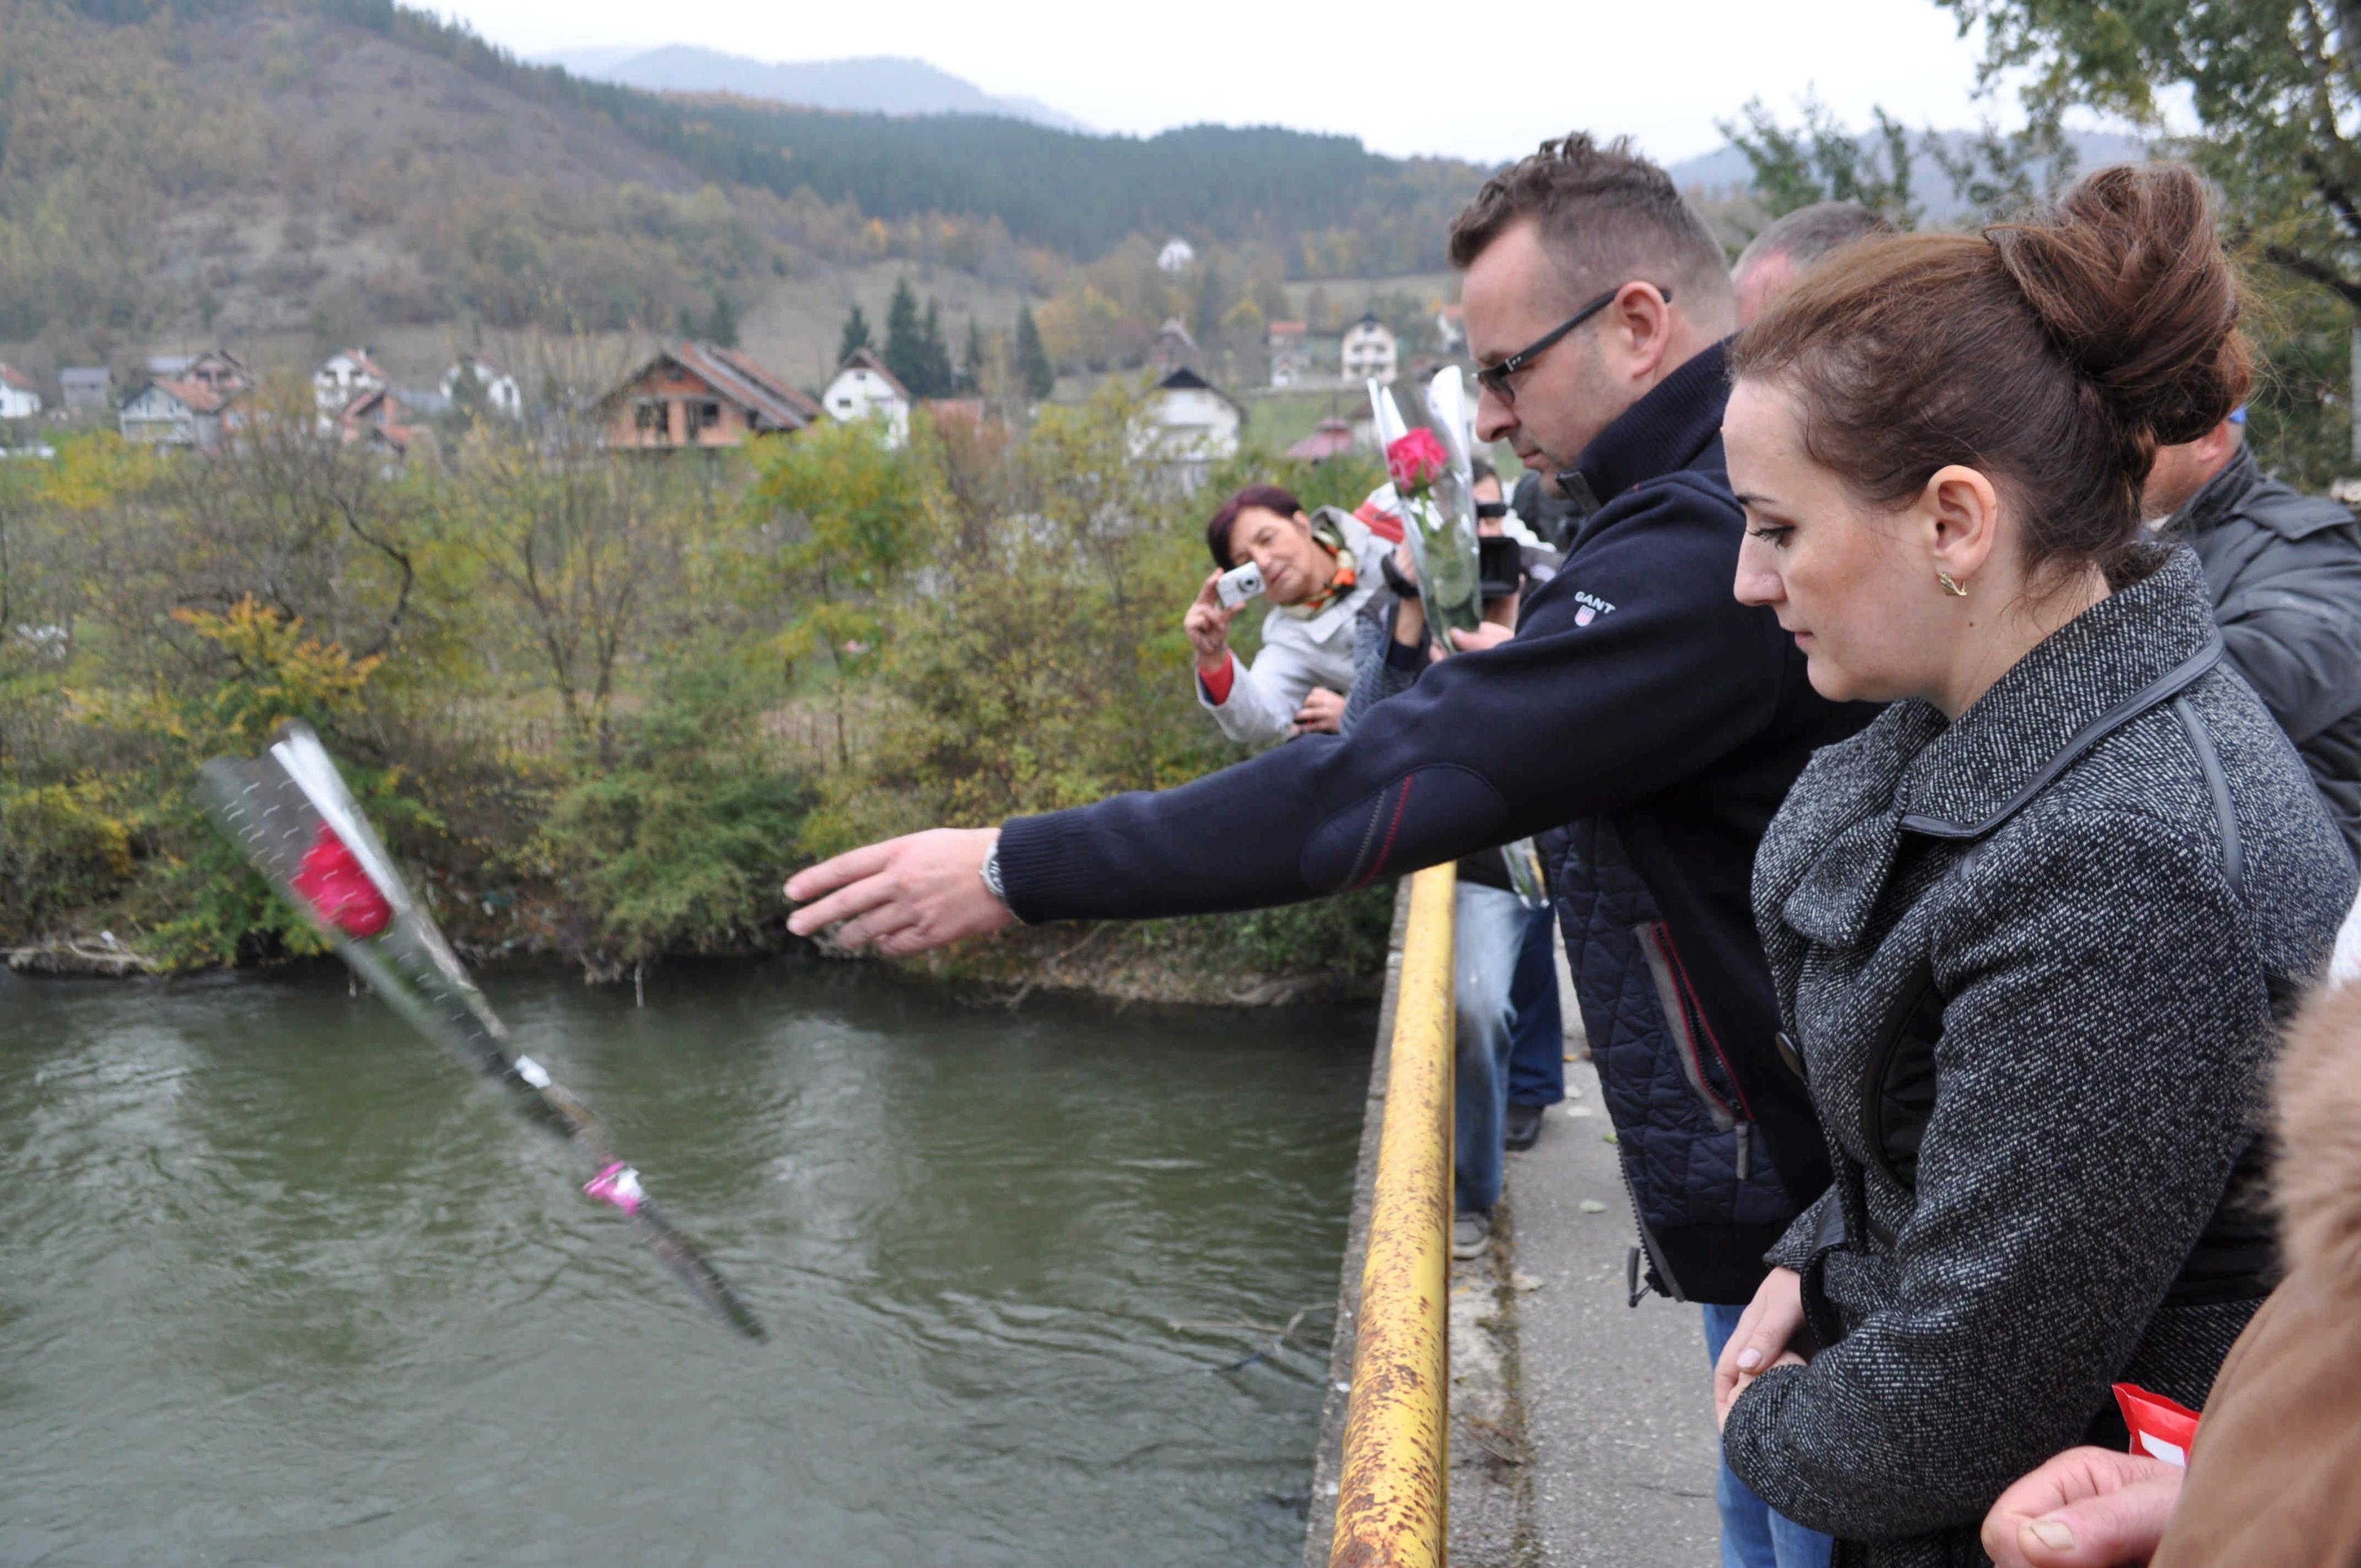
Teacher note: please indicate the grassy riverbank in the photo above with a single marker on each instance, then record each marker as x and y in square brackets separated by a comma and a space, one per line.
[600, 708]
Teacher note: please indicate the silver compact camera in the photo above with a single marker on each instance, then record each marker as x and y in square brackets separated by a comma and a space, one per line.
[1238, 585]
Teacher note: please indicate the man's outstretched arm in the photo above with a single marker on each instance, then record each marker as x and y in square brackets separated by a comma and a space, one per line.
[1635, 668]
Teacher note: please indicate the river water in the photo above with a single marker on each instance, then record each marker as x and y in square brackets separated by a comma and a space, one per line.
[282, 1283]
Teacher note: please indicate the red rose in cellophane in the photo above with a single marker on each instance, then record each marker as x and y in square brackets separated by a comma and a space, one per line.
[338, 891]
[1415, 459]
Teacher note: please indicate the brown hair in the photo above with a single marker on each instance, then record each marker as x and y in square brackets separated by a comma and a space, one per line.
[1606, 216]
[1268, 497]
[2055, 353]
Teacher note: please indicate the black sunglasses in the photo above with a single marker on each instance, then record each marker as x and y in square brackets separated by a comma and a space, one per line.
[1494, 378]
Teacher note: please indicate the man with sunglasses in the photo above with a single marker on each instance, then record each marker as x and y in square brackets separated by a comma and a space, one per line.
[1639, 718]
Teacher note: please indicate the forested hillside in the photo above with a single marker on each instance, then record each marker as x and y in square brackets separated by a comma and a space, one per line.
[351, 165]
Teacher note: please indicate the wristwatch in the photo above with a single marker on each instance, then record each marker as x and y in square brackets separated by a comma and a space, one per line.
[991, 872]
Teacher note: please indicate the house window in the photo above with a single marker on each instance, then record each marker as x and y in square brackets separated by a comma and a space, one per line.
[703, 416]
[653, 415]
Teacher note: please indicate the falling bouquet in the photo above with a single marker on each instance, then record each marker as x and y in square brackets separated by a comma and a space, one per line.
[290, 810]
[1438, 520]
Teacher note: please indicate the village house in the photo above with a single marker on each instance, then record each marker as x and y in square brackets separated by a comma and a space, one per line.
[1370, 353]
[1173, 348]
[700, 395]
[85, 389]
[864, 388]
[344, 376]
[217, 370]
[1332, 437]
[1449, 329]
[495, 387]
[1187, 425]
[168, 415]
[20, 395]
[389, 418]
[1291, 351]
[1178, 255]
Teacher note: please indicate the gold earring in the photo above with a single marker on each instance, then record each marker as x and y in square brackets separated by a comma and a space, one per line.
[1950, 583]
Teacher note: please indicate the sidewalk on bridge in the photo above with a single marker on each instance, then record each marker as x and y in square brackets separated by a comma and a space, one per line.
[1617, 1425]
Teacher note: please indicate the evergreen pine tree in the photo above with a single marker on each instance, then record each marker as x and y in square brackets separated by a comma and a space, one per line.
[721, 326]
[1034, 370]
[905, 345]
[856, 336]
[972, 369]
[939, 355]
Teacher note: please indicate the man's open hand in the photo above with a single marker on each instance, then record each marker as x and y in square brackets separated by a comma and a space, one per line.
[906, 895]
[2088, 1507]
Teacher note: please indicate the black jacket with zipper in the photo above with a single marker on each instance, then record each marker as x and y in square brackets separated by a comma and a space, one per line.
[1649, 725]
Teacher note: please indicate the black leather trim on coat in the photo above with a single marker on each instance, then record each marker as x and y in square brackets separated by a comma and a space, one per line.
[2164, 687]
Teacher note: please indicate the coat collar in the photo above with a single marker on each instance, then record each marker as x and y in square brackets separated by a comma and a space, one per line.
[1367, 550]
[1662, 432]
[1912, 773]
[2218, 500]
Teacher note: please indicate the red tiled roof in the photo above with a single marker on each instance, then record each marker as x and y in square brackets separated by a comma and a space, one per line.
[737, 376]
[11, 377]
[1333, 436]
[1290, 329]
[195, 396]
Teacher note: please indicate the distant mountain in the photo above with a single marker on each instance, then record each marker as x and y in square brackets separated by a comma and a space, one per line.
[1725, 173]
[890, 84]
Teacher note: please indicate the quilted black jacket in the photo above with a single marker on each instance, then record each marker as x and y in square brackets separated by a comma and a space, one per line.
[2082, 910]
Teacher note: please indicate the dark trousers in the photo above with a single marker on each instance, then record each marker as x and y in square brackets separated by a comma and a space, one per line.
[1537, 1038]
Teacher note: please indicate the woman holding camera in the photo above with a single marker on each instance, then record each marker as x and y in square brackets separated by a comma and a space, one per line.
[2034, 929]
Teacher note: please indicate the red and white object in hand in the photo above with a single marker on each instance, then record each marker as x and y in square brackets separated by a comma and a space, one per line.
[2160, 1427]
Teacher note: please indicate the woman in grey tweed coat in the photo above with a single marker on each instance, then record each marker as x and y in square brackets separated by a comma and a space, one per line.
[2035, 929]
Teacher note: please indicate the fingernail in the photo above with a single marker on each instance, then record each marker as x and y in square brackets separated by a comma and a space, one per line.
[1750, 1359]
[2052, 1533]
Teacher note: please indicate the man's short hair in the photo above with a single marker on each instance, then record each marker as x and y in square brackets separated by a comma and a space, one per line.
[1606, 215]
[1807, 234]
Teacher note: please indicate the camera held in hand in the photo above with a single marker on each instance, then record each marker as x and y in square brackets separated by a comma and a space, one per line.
[1238, 585]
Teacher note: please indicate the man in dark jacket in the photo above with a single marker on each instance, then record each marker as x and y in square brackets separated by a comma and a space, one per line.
[1641, 718]
[2285, 572]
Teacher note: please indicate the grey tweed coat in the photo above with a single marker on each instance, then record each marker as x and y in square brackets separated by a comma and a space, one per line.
[2033, 964]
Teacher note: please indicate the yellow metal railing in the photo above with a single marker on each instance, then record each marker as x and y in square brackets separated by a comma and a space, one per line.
[1393, 1500]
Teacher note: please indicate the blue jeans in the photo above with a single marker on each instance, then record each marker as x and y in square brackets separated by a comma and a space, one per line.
[1497, 998]
[1537, 1038]
[1751, 1535]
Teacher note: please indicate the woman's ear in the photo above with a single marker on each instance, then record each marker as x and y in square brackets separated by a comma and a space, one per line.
[1962, 511]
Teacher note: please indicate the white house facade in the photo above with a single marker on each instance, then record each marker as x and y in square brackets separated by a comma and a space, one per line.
[497, 388]
[20, 395]
[1187, 426]
[173, 414]
[344, 376]
[864, 388]
[1178, 255]
[1370, 353]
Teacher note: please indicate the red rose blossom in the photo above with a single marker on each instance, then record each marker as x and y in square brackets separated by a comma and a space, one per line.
[1415, 460]
[339, 892]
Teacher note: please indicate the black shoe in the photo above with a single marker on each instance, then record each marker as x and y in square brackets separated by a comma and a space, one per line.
[1523, 1127]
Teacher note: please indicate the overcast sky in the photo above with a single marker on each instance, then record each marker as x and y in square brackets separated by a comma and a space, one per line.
[1405, 77]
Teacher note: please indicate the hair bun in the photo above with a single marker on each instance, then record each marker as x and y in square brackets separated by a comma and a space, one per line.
[2128, 278]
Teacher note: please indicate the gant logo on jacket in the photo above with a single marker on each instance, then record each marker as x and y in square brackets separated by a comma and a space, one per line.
[1593, 607]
